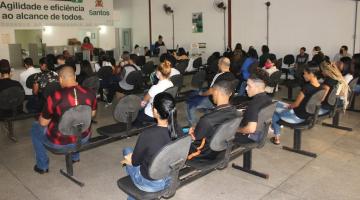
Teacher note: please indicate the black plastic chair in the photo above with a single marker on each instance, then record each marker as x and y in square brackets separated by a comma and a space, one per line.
[11, 99]
[197, 82]
[125, 114]
[352, 86]
[172, 91]
[73, 122]
[264, 121]
[167, 163]
[92, 82]
[274, 81]
[135, 78]
[297, 82]
[30, 81]
[178, 81]
[288, 60]
[222, 142]
[140, 61]
[197, 63]
[312, 107]
[105, 73]
[182, 65]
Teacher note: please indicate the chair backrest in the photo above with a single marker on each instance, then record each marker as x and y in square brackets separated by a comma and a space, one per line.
[148, 68]
[314, 102]
[135, 78]
[181, 66]
[92, 82]
[75, 120]
[264, 120]
[289, 59]
[173, 154]
[352, 86]
[105, 72]
[224, 133]
[172, 91]
[333, 95]
[127, 109]
[197, 63]
[50, 89]
[177, 80]
[198, 79]
[274, 79]
[140, 60]
[11, 98]
[30, 81]
[279, 63]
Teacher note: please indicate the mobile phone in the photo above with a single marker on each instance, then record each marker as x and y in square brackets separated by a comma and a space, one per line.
[185, 130]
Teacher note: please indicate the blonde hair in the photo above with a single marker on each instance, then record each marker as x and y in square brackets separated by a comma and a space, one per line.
[331, 71]
[165, 68]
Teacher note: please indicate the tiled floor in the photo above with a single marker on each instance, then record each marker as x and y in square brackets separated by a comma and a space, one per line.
[334, 174]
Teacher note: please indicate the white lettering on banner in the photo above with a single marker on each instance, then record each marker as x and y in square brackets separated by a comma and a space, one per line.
[56, 12]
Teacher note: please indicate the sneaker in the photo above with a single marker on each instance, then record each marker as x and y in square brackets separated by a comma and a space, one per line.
[40, 171]
[107, 104]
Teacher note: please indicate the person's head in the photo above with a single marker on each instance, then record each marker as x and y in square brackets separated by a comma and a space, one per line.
[343, 50]
[252, 53]
[60, 59]
[5, 68]
[302, 50]
[28, 62]
[265, 49]
[224, 64]
[160, 38]
[181, 52]
[164, 110]
[238, 46]
[125, 56]
[86, 40]
[270, 62]
[256, 83]
[222, 92]
[67, 77]
[133, 58]
[66, 54]
[345, 67]
[146, 49]
[85, 68]
[308, 74]
[316, 50]
[163, 70]
[136, 46]
[43, 64]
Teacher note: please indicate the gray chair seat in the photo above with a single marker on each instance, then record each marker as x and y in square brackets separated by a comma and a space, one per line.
[303, 125]
[120, 129]
[127, 185]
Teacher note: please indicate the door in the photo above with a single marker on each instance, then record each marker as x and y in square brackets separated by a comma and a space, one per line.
[126, 44]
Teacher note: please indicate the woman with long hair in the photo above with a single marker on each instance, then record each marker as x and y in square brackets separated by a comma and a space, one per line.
[333, 77]
[150, 142]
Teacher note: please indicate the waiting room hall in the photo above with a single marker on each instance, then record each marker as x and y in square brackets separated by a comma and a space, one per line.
[166, 99]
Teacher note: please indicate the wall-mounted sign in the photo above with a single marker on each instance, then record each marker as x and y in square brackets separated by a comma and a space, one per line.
[197, 23]
[56, 12]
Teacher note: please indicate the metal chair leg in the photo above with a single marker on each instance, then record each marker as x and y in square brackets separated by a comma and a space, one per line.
[247, 162]
[69, 173]
[336, 122]
[297, 145]
[10, 127]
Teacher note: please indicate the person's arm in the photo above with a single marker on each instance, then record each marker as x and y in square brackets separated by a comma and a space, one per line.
[208, 92]
[250, 128]
[298, 100]
[44, 122]
[326, 88]
[139, 151]
[146, 100]
[36, 88]
[47, 112]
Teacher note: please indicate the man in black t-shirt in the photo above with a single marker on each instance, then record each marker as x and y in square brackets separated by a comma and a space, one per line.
[6, 82]
[202, 100]
[256, 90]
[208, 123]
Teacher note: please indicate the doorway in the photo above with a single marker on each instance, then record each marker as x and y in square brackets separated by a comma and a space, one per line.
[126, 42]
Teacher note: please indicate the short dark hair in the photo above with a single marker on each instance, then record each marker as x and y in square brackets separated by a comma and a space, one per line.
[28, 61]
[43, 61]
[272, 57]
[317, 48]
[265, 49]
[160, 36]
[133, 57]
[303, 48]
[252, 53]
[85, 68]
[226, 87]
[181, 51]
[60, 57]
[5, 67]
[345, 47]
[260, 74]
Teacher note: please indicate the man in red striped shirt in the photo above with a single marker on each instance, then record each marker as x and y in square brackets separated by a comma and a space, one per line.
[45, 130]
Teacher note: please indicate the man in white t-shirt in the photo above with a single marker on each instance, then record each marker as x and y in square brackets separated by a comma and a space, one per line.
[29, 70]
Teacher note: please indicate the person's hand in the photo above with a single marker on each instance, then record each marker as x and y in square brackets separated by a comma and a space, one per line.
[192, 133]
[127, 160]
[143, 104]
[289, 106]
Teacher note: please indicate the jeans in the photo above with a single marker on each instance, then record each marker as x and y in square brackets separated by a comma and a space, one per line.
[141, 182]
[194, 103]
[285, 114]
[242, 89]
[40, 140]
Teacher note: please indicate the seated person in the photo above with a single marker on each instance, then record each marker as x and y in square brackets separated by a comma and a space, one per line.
[122, 87]
[302, 58]
[85, 71]
[154, 79]
[147, 52]
[5, 83]
[201, 99]
[343, 52]
[333, 77]
[45, 130]
[205, 128]
[249, 65]
[150, 142]
[163, 73]
[265, 55]
[43, 78]
[181, 54]
[33, 101]
[356, 69]
[296, 112]
[270, 68]
[344, 66]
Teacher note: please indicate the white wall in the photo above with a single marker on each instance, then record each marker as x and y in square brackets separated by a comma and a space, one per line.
[294, 23]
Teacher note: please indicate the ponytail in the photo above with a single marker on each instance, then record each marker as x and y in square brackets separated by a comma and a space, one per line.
[172, 125]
